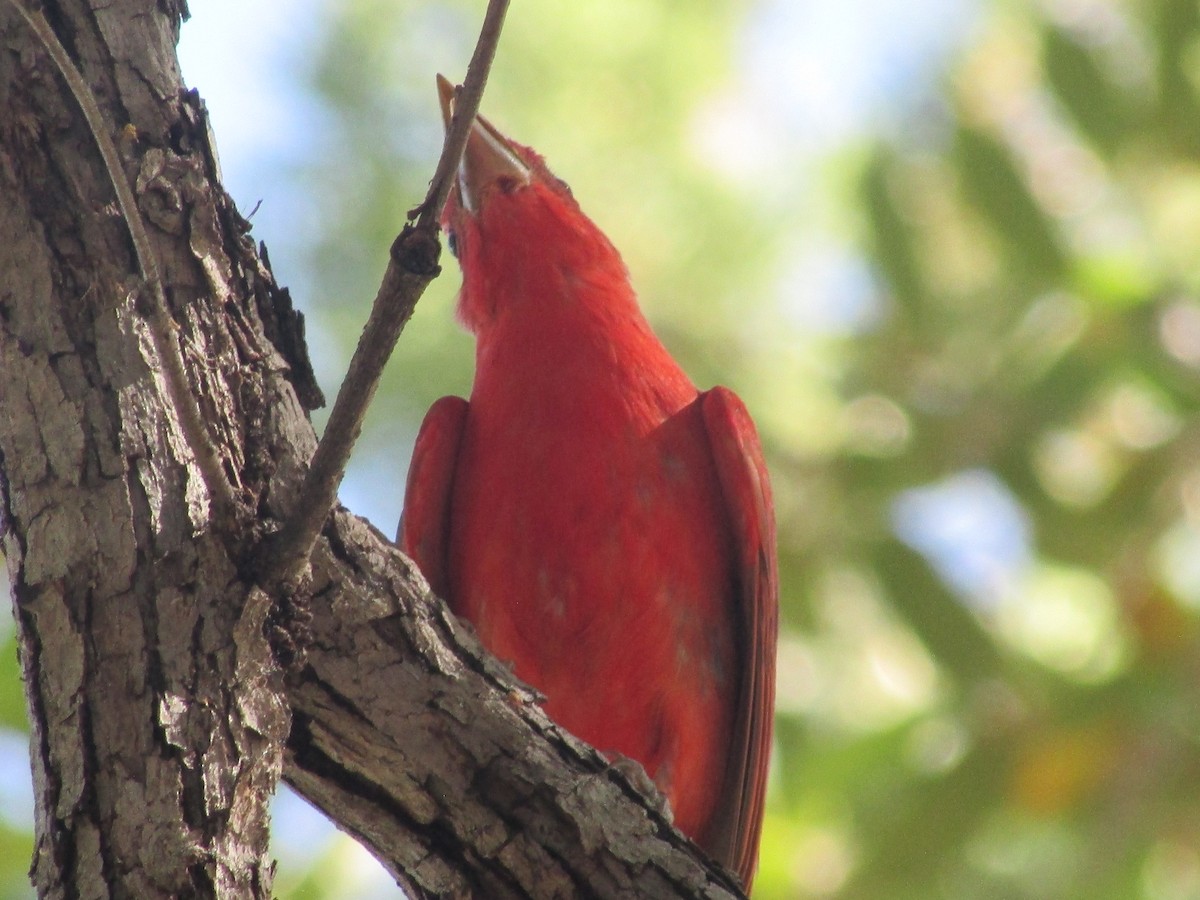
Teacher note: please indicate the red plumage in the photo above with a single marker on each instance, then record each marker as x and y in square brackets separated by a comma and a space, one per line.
[607, 528]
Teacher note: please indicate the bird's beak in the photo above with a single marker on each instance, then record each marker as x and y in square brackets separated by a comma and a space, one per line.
[488, 160]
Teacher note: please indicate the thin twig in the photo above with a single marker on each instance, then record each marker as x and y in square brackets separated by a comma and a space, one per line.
[413, 263]
[466, 106]
[162, 326]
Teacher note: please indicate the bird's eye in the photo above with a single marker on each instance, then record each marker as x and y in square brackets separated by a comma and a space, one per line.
[452, 240]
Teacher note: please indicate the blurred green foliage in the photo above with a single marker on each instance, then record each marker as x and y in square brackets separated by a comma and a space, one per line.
[972, 703]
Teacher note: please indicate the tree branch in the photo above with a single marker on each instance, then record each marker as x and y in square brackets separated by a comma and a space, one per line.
[412, 264]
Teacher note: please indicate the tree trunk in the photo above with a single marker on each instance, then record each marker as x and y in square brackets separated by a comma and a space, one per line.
[160, 715]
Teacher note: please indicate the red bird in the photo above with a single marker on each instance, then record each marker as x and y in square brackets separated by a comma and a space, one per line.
[606, 527]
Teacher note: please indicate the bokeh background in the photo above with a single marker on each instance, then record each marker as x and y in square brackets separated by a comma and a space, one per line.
[947, 252]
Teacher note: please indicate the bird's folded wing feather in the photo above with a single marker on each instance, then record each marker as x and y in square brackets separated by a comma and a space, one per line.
[425, 525]
[746, 490]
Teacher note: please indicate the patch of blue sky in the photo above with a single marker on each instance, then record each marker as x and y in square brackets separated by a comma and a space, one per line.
[972, 530]
[828, 290]
[16, 789]
[812, 79]
[834, 71]
[239, 54]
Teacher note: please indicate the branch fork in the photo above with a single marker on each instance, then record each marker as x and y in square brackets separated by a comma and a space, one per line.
[412, 265]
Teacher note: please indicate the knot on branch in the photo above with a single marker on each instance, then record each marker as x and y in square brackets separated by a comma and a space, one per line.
[288, 627]
[416, 251]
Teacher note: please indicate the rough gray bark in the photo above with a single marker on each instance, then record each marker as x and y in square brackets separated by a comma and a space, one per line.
[160, 717]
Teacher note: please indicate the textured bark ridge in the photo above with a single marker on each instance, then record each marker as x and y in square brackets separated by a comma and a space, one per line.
[161, 720]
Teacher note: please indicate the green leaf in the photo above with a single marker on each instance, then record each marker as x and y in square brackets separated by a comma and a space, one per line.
[949, 631]
[993, 185]
[12, 696]
[1086, 91]
[889, 234]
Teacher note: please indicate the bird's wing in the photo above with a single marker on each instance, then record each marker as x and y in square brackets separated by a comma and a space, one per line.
[425, 523]
[747, 493]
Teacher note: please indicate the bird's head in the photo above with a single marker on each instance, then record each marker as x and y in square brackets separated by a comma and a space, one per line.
[515, 228]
